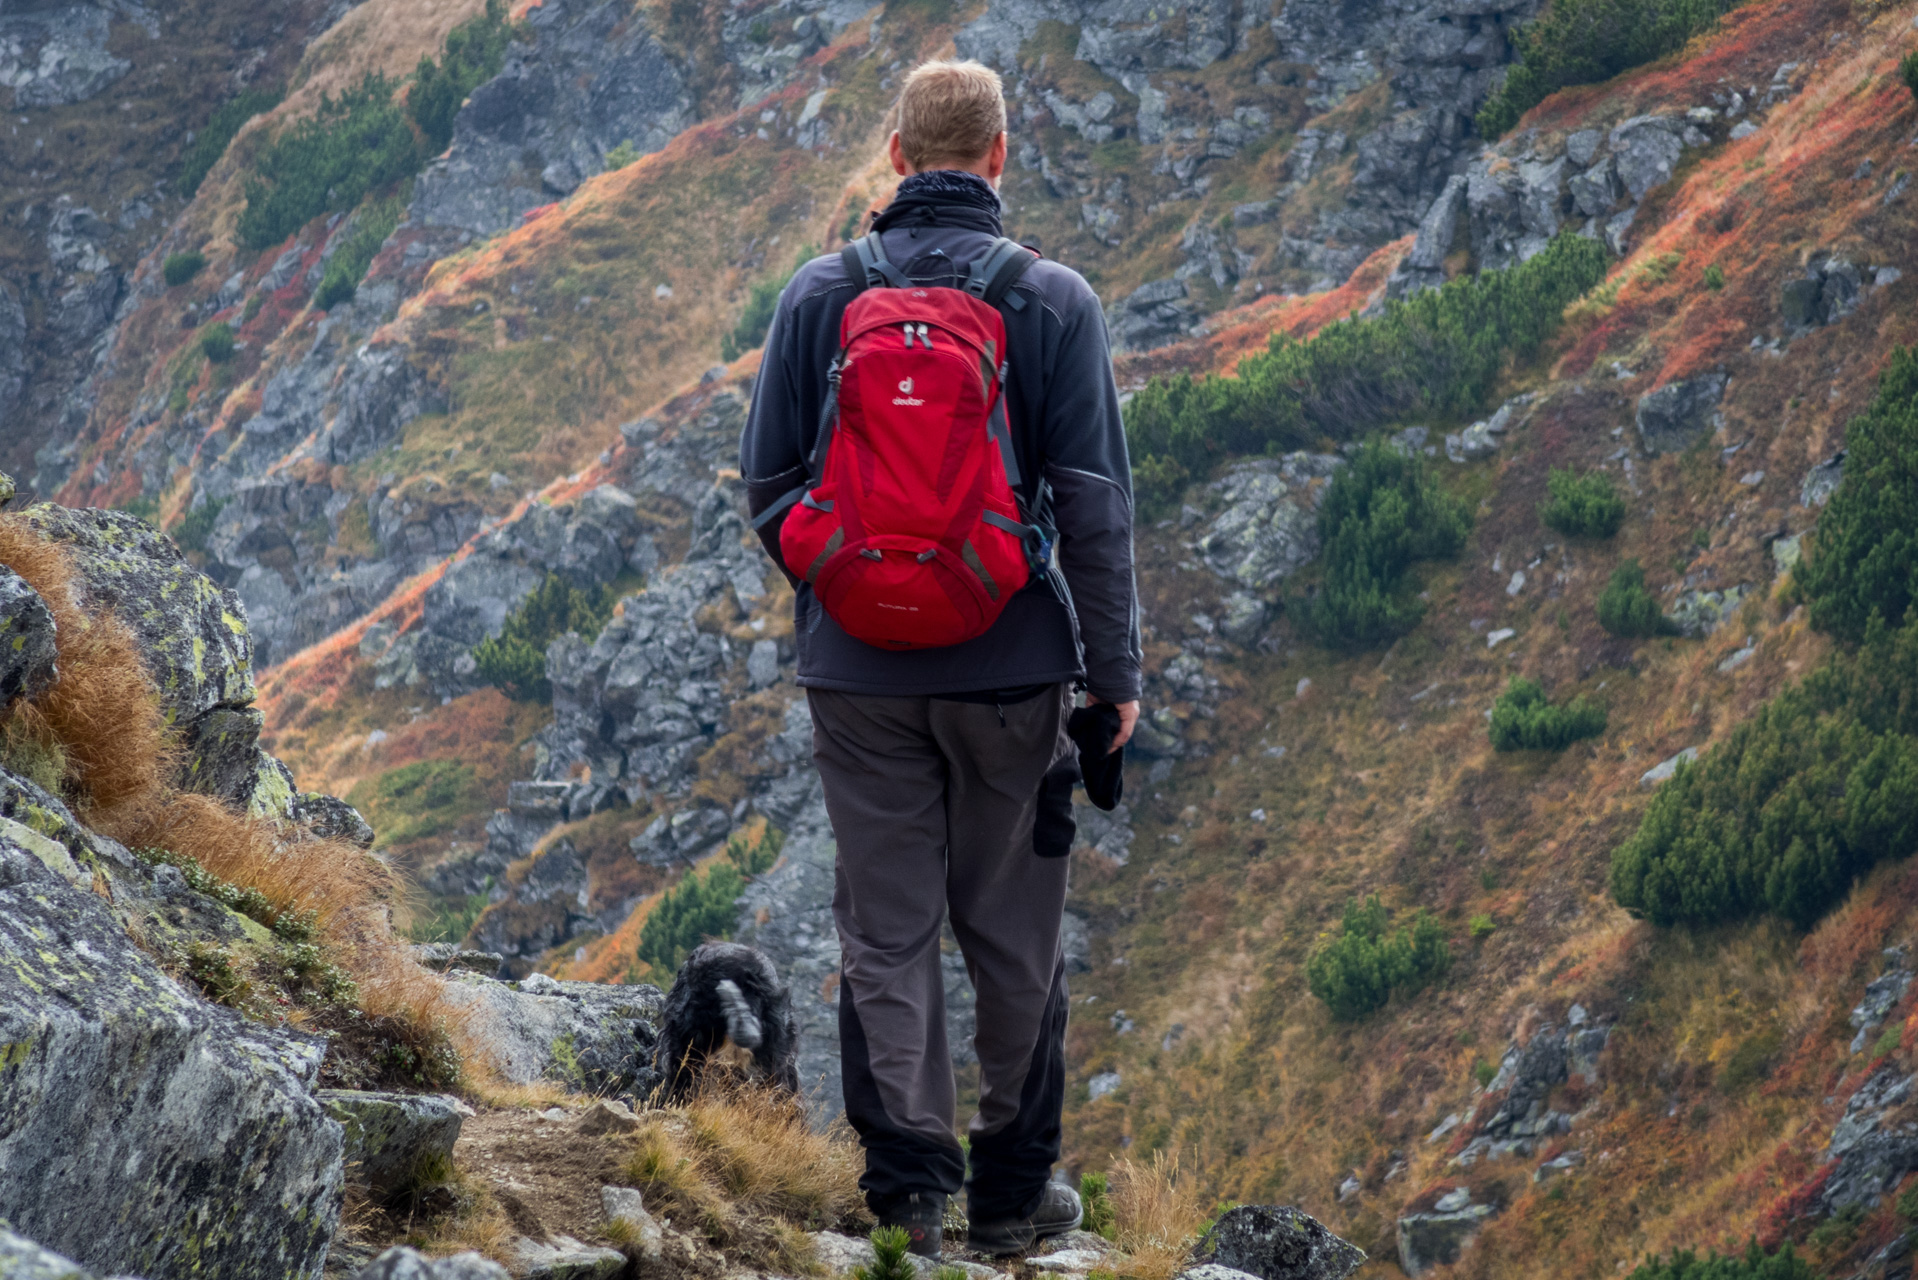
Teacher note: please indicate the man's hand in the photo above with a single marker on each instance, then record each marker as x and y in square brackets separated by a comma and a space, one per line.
[1128, 717]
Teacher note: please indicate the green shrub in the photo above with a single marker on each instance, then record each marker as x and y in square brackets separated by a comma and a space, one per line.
[1756, 1264]
[1358, 971]
[621, 156]
[216, 342]
[890, 1260]
[1437, 352]
[1626, 608]
[700, 907]
[347, 267]
[1586, 41]
[515, 660]
[1523, 719]
[182, 267]
[1908, 71]
[1481, 927]
[1795, 804]
[1382, 512]
[1863, 560]
[354, 144]
[418, 800]
[756, 858]
[210, 143]
[475, 50]
[1714, 277]
[1584, 506]
[1095, 1193]
[761, 302]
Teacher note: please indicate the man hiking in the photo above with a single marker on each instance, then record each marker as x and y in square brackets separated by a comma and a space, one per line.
[936, 461]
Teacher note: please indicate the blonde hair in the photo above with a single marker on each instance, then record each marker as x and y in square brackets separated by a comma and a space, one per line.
[950, 112]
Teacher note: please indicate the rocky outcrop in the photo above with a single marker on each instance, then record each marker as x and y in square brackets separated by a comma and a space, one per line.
[589, 1037]
[144, 1130]
[1679, 414]
[592, 77]
[1437, 1236]
[1521, 1118]
[1873, 1145]
[28, 662]
[1277, 1242]
[1883, 992]
[194, 638]
[1267, 527]
[402, 1263]
[392, 1138]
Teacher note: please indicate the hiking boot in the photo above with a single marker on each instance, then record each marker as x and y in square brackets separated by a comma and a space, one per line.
[922, 1215]
[1058, 1212]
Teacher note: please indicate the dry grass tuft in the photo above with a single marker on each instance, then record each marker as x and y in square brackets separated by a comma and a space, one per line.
[742, 1163]
[1157, 1213]
[98, 739]
[101, 717]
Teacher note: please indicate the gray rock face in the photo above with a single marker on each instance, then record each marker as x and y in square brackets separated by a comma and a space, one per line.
[402, 1263]
[1151, 315]
[1438, 1237]
[28, 663]
[1699, 613]
[1822, 481]
[13, 353]
[1873, 1145]
[1277, 1242]
[57, 56]
[591, 1037]
[1647, 149]
[22, 1259]
[1268, 528]
[193, 636]
[1830, 290]
[144, 1130]
[592, 77]
[1527, 1074]
[391, 1136]
[1679, 414]
[1438, 233]
[1884, 991]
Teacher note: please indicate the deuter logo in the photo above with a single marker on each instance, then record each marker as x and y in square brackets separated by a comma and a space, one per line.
[905, 386]
[905, 396]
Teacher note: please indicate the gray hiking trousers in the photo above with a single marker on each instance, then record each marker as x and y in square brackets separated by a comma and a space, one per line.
[932, 804]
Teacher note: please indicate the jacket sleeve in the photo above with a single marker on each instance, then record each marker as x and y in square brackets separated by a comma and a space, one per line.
[1091, 480]
[771, 449]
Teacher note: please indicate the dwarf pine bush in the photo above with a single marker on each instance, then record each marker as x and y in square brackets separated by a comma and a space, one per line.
[1822, 783]
[1627, 608]
[182, 267]
[354, 144]
[514, 661]
[1358, 971]
[211, 142]
[1581, 506]
[1437, 352]
[1585, 41]
[347, 267]
[1382, 512]
[475, 51]
[1524, 719]
[1863, 560]
[1754, 1264]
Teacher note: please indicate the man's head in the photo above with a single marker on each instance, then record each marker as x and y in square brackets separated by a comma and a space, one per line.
[952, 115]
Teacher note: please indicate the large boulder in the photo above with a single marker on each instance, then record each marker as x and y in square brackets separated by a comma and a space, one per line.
[1267, 528]
[193, 637]
[1278, 1242]
[1679, 414]
[391, 1138]
[22, 1259]
[402, 1263]
[27, 655]
[144, 1130]
[590, 1036]
[1438, 1235]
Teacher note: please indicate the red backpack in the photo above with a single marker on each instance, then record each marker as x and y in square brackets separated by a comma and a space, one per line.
[911, 531]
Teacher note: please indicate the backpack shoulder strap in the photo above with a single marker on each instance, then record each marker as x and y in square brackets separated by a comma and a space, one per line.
[868, 267]
[990, 278]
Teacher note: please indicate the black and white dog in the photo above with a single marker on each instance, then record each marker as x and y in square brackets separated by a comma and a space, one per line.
[727, 993]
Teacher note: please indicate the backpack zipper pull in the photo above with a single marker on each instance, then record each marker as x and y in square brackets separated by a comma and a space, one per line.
[908, 328]
[925, 337]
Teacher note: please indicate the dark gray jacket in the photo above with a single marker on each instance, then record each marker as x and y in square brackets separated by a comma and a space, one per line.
[1064, 412]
